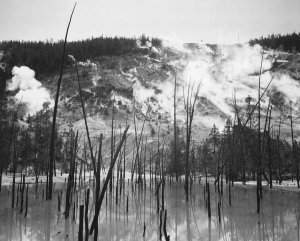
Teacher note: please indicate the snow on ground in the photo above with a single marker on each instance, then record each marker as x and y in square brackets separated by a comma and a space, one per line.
[60, 178]
[286, 185]
[8, 179]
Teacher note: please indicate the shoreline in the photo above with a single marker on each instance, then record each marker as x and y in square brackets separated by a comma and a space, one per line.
[286, 186]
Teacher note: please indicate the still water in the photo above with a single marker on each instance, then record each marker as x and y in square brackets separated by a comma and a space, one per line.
[278, 220]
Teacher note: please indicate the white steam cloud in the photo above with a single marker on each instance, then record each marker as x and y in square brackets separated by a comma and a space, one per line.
[222, 70]
[226, 71]
[141, 93]
[235, 69]
[30, 91]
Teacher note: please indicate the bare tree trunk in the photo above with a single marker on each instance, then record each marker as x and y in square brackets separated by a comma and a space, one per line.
[71, 176]
[243, 164]
[84, 116]
[253, 109]
[98, 170]
[112, 141]
[269, 151]
[258, 176]
[52, 143]
[108, 177]
[175, 133]
[13, 155]
[124, 158]
[278, 154]
[189, 105]
[138, 143]
[293, 150]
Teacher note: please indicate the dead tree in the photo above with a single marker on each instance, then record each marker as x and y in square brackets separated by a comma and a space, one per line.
[112, 141]
[84, 114]
[293, 149]
[241, 131]
[52, 143]
[107, 179]
[71, 176]
[175, 133]
[269, 151]
[278, 153]
[189, 106]
[138, 144]
[259, 161]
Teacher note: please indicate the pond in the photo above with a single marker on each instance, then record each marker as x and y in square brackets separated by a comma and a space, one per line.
[134, 216]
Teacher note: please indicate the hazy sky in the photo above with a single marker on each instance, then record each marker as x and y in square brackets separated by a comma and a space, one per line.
[213, 21]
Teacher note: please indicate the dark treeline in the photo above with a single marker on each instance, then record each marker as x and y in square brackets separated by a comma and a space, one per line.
[24, 144]
[45, 57]
[241, 166]
[287, 42]
[235, 153]
[4, 123]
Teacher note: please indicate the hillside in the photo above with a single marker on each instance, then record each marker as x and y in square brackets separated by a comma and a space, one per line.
[141, 80]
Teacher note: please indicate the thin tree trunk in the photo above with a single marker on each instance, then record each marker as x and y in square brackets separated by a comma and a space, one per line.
[108, 177]
[175, 134]
[258, 175]
[293, 151]
[269, 151]
[71, 176]
[52, 143]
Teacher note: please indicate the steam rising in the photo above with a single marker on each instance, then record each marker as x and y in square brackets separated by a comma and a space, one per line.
[226, 71]
[141, 93]
[30, 91]
[222, 70]
[235, 69]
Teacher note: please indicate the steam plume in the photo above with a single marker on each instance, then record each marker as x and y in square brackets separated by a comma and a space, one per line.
[30, 91]
[222, 71]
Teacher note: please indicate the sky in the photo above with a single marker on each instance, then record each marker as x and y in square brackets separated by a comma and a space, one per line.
[210, 21]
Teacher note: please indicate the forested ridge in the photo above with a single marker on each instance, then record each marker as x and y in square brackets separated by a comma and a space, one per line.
[285, 42]
[44, 57]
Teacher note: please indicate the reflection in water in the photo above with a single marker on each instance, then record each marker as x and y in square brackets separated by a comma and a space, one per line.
[209, 229]
[279, 219]
[188, 225]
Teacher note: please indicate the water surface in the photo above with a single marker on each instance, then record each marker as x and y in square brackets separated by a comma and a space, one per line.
[279, 218]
